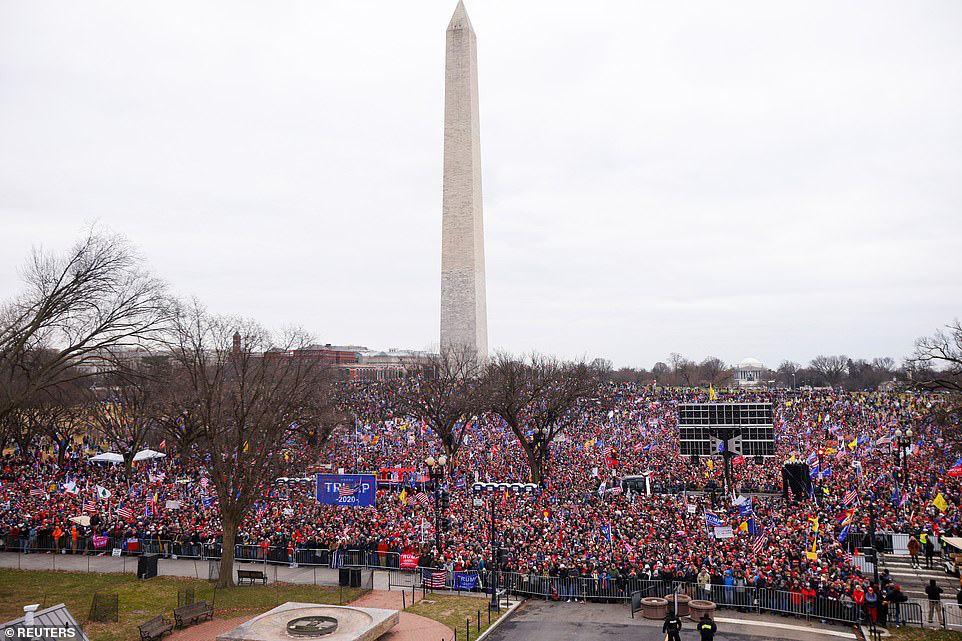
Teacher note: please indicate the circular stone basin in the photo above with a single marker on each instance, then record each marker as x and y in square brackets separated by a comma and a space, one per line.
[314, 626]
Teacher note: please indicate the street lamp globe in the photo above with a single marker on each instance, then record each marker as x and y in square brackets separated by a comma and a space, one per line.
[898, 432]
[430, 461]
[442, 460]
[909, 432]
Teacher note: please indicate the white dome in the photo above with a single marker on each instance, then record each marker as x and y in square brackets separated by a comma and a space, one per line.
[751, 363]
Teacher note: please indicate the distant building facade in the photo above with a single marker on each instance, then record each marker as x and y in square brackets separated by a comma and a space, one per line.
[358, 363]
[749, 372]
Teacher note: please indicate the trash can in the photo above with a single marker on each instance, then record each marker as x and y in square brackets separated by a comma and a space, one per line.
[344, 577]
[682, 600]
[355, 577]
[147, 566]
[697, 607]
[654, 607]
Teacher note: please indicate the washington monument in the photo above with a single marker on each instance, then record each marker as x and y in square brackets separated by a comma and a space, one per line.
[464, 314]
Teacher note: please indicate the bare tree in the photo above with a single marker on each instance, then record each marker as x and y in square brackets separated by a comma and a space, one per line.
[787, 372]
[830, 368]
[936, 363]
[713, 370]
[125, 408]
[683, 370]
[444, 395]
[248, 400]
[537, 398]
[76, 311]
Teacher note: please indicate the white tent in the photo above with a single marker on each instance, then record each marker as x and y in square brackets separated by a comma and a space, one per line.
[148, 455]
[107, 457]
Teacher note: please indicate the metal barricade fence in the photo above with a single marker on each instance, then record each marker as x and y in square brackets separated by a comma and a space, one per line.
[952, 614]
[911, 612]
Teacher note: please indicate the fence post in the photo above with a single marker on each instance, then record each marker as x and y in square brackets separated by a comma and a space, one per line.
[467, 628]
[479, 620]
[404, 600]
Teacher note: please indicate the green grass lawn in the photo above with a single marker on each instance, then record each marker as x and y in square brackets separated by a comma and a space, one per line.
[140, 600]
[917, 634]
[452, 611]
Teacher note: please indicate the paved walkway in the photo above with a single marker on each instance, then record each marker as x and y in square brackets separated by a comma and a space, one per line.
[411, 627]
[208, 630]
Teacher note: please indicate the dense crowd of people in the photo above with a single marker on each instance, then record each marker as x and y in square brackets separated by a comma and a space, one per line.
[582, 522]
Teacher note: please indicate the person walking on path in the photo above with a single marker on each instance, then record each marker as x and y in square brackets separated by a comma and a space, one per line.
[914, 549]
[934, 593]
[707, 628]
[672, 626]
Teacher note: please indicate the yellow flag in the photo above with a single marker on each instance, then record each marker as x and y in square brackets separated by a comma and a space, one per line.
[245, 446]
[940, 503]
[712, 394]
[852, 445]
[743, 527]
[711, 464]
[403, 496]
[814, 521]
[829, 450]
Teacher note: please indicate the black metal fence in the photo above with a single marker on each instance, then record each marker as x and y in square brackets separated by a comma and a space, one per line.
[297, 554]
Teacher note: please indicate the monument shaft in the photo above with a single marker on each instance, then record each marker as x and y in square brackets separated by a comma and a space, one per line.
[464, 317]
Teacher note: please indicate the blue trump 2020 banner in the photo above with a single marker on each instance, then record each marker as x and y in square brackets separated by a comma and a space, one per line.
[350, 490]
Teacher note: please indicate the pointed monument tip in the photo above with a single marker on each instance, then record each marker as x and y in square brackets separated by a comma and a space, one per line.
[460, 18]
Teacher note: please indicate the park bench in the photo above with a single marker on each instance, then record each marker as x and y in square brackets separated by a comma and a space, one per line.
[251, 575]
[154, 629]
[192, 613]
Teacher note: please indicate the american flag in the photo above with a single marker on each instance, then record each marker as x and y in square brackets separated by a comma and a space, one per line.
[433, 578]
[421, 498]
[36, 492]
[204, 482]
[759, 544]
[345, 490]
[125, 513]
[90, 506]
[638, 447]
[850, 497]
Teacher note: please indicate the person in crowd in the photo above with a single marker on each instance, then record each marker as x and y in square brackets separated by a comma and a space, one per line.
[934, 594]
[914, 548]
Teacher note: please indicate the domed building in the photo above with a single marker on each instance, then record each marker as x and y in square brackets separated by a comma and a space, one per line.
[749, 372]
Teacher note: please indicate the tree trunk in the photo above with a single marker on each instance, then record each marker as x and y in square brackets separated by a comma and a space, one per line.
[534, 464]
[226, 576]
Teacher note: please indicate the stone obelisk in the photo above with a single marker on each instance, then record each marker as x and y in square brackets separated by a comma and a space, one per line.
[464, 315]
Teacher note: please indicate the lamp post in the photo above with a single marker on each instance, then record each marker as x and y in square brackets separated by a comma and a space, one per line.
[495, 604]
[436, 476]
[818, 479]
[903, 441]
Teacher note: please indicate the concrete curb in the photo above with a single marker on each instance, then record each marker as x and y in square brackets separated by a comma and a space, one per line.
[503, 617]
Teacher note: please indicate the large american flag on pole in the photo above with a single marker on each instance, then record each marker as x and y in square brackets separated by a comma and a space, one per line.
[433, 578]
[850, 497]
[759, 544]
[125, 513]
[421, 498]
[90, 506]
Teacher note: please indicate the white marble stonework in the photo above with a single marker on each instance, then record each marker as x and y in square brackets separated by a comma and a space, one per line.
[464, 315]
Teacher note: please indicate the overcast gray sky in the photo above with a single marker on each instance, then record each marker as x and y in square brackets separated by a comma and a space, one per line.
[767, 179]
